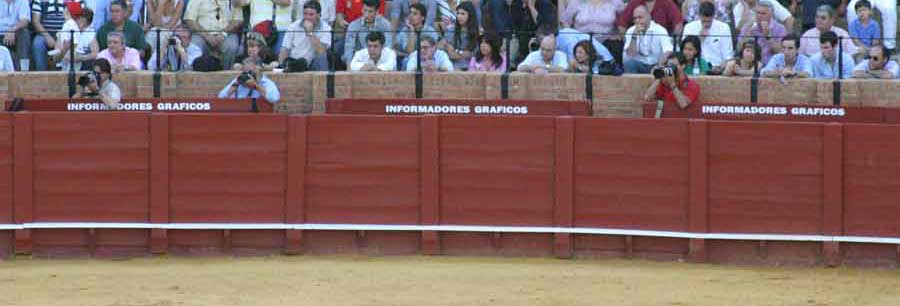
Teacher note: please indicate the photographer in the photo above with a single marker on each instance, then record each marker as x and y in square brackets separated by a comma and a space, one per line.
[671, 84]
[180, 52]
[251, 84]
[98, 83]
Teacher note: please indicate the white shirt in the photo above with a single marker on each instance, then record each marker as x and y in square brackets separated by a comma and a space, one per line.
[387, 61]
[261, 10]
[296, 41]
[111, 90]
[717, 47]
[536, 59]
[889, 66]
[781, 13]
[83, 40]
[651, 45]
[440, 58]
[329, 10]
[6, 62]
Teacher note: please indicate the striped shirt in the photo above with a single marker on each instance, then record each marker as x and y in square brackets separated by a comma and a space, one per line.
[51, 12]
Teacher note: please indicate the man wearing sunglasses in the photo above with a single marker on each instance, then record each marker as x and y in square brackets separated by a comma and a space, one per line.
[215, 26]
[878, 66]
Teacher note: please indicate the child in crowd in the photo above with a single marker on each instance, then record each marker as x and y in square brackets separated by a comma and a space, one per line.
[864, 30]
[72, 12]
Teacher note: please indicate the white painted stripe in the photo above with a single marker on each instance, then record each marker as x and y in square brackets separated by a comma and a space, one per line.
[449, 228]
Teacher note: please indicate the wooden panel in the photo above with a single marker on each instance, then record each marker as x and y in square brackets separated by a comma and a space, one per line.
[872, 180]
[631, 173]
[6, 168]
[362, 170]
[765, 178]
[497, 171]
[227, 168]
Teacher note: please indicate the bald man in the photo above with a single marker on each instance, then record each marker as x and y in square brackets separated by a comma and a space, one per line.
[646, 43]
[545, 60]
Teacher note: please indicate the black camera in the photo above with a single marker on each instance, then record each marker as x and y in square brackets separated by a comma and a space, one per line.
[534, 45]
[246, 76]
[660, 72]
[173, 41]
[87, 79]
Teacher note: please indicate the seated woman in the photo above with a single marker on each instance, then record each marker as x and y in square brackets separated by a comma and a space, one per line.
[692, 49]
[488, 57]
[744, 63]
[257, 48]
[459, 38]
[585, 59]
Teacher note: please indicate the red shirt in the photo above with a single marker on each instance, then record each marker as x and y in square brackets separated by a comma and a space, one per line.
[352, 9]
[689, 88]
[665, 12]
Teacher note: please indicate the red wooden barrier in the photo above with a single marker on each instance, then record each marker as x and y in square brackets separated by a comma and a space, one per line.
[165, 105]
[457, 107]
[7, 213]
[775, 112]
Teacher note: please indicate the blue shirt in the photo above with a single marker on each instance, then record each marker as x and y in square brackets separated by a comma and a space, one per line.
[777, 62]
[865, 33]
[402, 37]
[568, 38]
[825, 70]
[272, 94]
[101, 12]
[12, 14]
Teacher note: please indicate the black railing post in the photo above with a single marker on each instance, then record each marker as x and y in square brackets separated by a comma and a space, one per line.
[329, 78]
[836, 89]
[157, 76]
[71, 81]
[419, 77]
[589, 78]
[754, 80]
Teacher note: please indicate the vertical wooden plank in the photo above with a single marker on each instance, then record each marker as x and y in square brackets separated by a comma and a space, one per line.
[833, 190]
[23, 194]
[429, 167]
[159, 181]
[564, 183]
[698, 217]
[296, 181]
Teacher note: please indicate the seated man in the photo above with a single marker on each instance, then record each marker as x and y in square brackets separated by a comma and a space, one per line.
[715, 36]
[545, 60]
[216, 25]
[415, 25]
[180, 52]
[789, 63]
[251, 83]
[674, 86]
[878, 66]
[120, 57]
[766, 31]
[119, 22]
[646, 43]
[375, 57]
[101, 85]
[825, 15]
[14, 30]
[371, 21]
[433, 60]
[307, 41]
[827, 63]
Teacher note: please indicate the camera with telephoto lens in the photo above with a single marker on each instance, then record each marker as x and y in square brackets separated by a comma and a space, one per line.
[87, 79]
[246, 76]
[173, 41]
[534, 45]
[660, 72]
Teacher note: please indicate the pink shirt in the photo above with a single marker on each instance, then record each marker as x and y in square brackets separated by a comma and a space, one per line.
[588, 17]
[131, 58]
[476, 66]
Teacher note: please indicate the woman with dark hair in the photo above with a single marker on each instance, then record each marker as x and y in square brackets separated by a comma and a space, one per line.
[488, 57]
[459, 39]
[744, 60]
[585, 58]
[692, 50]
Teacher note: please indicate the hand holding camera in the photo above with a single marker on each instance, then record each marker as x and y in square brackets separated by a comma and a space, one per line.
[89, 81]
[247, 79]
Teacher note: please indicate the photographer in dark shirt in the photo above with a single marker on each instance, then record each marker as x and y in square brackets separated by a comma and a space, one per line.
[99, 84]
[671, 84]
[251, 83]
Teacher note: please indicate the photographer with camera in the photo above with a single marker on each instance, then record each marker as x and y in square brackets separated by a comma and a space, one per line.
[99, 84]
[251, 83]
[671, 84]
[180, 52]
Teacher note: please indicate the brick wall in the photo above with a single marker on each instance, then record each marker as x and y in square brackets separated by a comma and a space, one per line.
[613, 96]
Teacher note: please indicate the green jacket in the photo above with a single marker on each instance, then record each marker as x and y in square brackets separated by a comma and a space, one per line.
[134, 34]
[703, 67]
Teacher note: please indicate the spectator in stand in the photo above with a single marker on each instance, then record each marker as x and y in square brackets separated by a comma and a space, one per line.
[597, 17]
[347, 12]
[888, 10]
[662, 12]
[307, 41]
[809, 8]
[134, 33]
[690, 10]
[675, 88]
[433, 60]
[745, 62]
[401, 9]
[646, 43]
[259, 50]
[375, 56]
[14, 29]
[745, 10]
[103, 11]
[878, 66]
[163, 15]
[545, 60]
[459, 38]
[585, 59]
[261, 16]
[865, 31]
[766, 31]
[102, 86]
[360, 28]
[691, 48]
[789, 63]
[329, 10]
[809, 42]
[47, 18]
[566, 39]
[255, 86]
[826, 63]
[6, 62]
[715, 35]
[522, 16]
[85, 43]
[216, 25]
[405, 42]
[121, 57]
[180, 52]
[488, 57]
